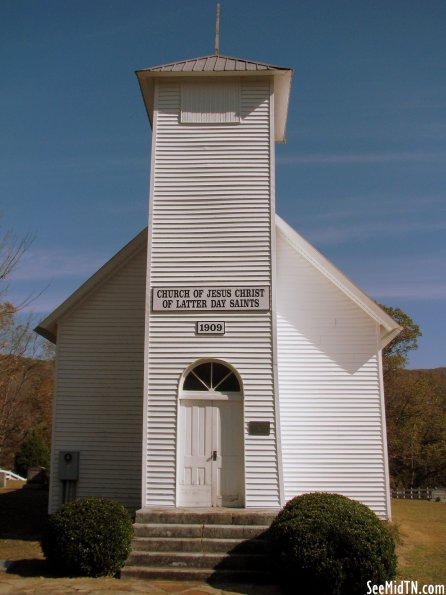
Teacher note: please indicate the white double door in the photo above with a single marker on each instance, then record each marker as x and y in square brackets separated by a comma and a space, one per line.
[210, 454]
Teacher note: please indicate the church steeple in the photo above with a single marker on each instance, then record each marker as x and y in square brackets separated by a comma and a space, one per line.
[211, 275]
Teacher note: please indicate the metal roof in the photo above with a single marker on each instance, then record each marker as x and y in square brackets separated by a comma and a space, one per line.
[213, 63]
[221, 66]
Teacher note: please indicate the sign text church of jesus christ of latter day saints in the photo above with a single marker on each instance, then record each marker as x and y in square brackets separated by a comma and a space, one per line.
[210, 298]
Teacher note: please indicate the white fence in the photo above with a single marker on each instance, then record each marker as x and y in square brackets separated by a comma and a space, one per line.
[413, 494]
[11, 475]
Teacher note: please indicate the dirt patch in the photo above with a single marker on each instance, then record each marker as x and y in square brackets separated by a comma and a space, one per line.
[16, 549]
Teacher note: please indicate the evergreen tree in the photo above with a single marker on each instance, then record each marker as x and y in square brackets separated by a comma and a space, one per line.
[33, 452]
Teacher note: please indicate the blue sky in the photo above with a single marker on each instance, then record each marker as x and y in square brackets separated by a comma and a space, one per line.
[362, 175]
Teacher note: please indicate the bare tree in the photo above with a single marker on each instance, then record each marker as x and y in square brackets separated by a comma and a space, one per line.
[25, 380]
[11, 251]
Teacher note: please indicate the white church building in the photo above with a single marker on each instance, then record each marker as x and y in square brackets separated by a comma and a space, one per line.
[218, 360]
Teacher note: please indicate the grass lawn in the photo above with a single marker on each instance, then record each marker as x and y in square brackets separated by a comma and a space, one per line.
[422, 547]
[421, 526]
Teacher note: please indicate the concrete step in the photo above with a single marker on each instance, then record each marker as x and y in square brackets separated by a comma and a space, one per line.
[234, 531]
[206, 516]
[174, 544]
[200, 544]
[196, 574]
[198, 560]
[199, 531]
[169, 530]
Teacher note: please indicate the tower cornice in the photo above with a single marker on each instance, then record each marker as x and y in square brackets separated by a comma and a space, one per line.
[216, 66]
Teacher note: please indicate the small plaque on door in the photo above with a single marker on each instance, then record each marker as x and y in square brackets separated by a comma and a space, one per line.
[259, 428]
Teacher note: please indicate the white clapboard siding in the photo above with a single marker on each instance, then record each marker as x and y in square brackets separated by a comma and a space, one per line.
[211, 217]
[99, 387]
[330, 387]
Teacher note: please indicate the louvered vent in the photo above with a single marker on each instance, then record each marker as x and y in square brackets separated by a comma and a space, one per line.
[210, 103]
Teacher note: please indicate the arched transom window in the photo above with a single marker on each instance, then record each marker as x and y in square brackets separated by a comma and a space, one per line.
[211, 377]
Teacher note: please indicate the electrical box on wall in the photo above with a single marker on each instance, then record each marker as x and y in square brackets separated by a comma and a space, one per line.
[69, 465]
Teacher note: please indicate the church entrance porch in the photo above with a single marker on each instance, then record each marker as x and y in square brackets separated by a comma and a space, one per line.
[221, 544]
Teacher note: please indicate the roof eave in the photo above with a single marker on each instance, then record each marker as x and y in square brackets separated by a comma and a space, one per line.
[389, 328]
[282, 88]
[48, 327]
[282, 91]
[47, 333]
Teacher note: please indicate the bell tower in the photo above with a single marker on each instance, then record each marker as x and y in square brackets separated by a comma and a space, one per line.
[211, 282]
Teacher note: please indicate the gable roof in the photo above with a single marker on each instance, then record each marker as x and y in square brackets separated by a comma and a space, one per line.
[219, 66]
[389, 328]
[48, 327]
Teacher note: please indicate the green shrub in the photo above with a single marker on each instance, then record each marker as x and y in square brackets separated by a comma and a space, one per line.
[88, 537]
[331, 545]
[33, 452]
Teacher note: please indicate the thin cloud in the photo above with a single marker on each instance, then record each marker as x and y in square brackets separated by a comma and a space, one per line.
[45, 278]
[39, 305]
[351, 158]
[421, 278]
[348, 207]
[49, 264]
[351, 231]
[415, 291]
[78, 163]
[43, 305]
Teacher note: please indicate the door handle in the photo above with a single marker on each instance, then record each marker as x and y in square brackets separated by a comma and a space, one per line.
[214, 455]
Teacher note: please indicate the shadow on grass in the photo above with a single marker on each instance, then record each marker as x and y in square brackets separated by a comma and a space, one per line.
[23, 513]
[31, 568]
